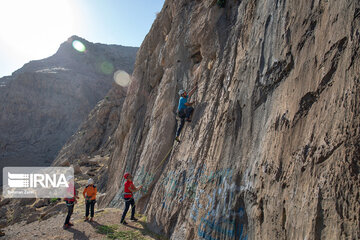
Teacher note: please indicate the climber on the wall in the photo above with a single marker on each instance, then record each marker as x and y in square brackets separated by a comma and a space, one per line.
[184, 109]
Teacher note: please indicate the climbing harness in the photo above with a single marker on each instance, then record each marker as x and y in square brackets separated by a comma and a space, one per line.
[124, 194]
[69, 203]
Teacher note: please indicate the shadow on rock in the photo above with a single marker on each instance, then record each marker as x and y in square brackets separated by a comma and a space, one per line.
[77, 234]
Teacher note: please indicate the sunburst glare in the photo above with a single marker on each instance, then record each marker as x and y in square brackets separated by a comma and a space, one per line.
[79, 46]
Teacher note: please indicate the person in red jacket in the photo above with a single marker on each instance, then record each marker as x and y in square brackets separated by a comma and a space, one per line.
[129, 189]
[70, 201]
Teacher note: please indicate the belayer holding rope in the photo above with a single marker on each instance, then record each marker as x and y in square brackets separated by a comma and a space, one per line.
[185, 109]
[129, 190]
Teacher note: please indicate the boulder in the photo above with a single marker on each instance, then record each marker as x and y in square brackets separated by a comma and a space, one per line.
[53, 210]
[27, 201]
[33, 217]
[41, 203]
[64, 163]
[77, 169]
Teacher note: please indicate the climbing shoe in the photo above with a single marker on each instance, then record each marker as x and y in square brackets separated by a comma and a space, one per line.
[70, 224]
[177, 139]
[124, 222]
[86, 219]
[133, 219]
[188, 120]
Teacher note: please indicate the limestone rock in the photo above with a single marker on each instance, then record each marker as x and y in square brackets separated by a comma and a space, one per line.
[272, 151]
[77, 169]
[65, 163]
[51, 211]
[3, 223]
[4, 202]
[32, 218]
[26, 201]
[94, 137]
[41, 203]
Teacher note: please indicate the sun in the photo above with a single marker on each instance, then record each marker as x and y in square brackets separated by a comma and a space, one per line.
[36, 28]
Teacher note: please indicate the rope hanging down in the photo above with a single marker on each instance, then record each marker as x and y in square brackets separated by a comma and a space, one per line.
[157, 170]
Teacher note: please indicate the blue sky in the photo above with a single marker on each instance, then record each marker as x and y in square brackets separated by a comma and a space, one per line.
[34, 29]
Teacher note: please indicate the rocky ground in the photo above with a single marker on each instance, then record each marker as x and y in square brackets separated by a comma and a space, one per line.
[106, 225]
[31, 210]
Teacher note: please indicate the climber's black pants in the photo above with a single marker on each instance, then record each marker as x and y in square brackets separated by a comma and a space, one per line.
[70, 207]
[184, 113]
[90, 206]
[128, 202]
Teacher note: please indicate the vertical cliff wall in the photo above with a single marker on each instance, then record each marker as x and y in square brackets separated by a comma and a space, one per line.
[273, 148]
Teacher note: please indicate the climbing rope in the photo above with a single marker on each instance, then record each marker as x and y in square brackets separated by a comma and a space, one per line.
[158, 168]
[162, 161]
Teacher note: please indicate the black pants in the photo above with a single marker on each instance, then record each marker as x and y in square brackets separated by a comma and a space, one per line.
[70, 207]
[128, 202]
[184, 113]
[89, 205]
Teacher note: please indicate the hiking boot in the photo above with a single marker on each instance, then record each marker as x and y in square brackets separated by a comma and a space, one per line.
[70, 224]
[86, 219]
[133, 219]
[91, 219]
[66, 226]
[124, 222]
[177, 139]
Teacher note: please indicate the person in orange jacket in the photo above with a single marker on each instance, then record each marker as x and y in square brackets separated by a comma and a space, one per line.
[89, 194]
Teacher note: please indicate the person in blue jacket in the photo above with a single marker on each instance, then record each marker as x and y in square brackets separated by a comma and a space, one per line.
[185, 109]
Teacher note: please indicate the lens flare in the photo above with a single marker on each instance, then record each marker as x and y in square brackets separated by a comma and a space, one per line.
[107, 68]
[122, 78]
[79, 46]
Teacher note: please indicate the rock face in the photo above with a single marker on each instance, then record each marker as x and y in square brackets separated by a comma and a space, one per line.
[95, 134]
[91, 146]
[273, 148]
[44, 102]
